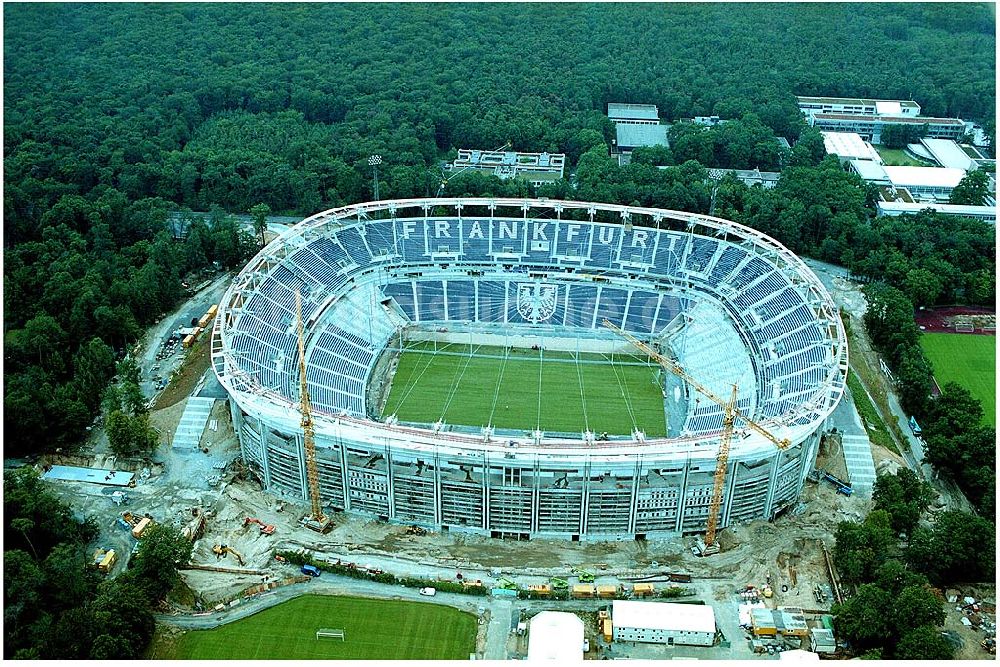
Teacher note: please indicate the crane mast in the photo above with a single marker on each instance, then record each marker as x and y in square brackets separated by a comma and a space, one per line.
[721, 466]
[317, 520]
[707, 546]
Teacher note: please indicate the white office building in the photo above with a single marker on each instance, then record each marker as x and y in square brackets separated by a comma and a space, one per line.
[987, 214]
[859, 106]
[663, 623]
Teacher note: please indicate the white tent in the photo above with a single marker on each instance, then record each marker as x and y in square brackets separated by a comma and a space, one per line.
[556, 635]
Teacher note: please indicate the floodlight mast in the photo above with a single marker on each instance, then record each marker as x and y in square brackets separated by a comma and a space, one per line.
[317, 520]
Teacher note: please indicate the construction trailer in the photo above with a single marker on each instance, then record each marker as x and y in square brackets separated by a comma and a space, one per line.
[663, 623]
[540, 589]
[584, 591]
[822, 640]
[643, 590]
[607, 590]
[140, 528]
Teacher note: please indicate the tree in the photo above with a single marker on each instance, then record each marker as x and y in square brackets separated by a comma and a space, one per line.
[960, 547]
[889, 317]
[922, 287]
[865, 618]
[861, 548]
[916, 606]
[162, 549]
[899, 135]
[259, 214]
[904, 496]
[924, 643]
[129, 435]
[972, 190]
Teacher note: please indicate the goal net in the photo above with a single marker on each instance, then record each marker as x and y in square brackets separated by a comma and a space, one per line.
[331, 633]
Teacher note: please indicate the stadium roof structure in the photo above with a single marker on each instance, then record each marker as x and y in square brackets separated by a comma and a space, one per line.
[637, 136]
[924, 177]
[620, 111]
[849, 146]
[556, 635]
[948, 153]
[663, 616]
[794, 341]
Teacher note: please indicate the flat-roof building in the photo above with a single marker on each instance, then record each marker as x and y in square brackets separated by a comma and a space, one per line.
[629, 136]
[948, 153]
[849, 146]
[921, 183]
[536, 168]
[928, 182]
[987, 214]
[871, 127]
[557, 636]
[749, 177]
[663, 623]
[858, 106]
[634, 114]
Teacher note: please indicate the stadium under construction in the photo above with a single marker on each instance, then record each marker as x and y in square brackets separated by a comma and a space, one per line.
[725, 303]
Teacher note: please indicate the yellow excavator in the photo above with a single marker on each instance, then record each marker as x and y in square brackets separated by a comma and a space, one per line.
[222, 550]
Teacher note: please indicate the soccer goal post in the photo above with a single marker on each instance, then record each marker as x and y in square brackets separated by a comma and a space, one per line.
[331, 633]
[965, 327]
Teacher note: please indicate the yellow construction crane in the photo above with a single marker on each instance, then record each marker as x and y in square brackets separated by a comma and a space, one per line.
[317, 520]
[730, 413]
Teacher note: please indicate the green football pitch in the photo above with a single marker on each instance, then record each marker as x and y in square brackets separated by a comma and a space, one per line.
[527, 389]
[373, 629]
[968, 360]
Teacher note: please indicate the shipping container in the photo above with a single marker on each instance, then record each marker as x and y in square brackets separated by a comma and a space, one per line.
[188, 340]
[141, 527]
[212, 311]
[203, 321]
[584, 590]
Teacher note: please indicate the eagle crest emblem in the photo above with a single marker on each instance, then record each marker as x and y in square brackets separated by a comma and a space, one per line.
[536, 301]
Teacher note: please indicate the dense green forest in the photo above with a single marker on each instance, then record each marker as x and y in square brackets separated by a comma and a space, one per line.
[118, 116]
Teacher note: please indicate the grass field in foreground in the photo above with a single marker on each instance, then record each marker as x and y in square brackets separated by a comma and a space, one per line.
[968, 360]
[526, 389]
[374, 629]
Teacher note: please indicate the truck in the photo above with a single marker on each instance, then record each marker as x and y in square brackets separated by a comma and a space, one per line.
[310, 570]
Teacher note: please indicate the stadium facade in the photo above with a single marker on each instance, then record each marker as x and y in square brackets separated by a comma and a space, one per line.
[734, 306]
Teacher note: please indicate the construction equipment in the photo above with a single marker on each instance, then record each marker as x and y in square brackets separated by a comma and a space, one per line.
[842, 487]
[317, 520]
[415, 530]
[507, 584]
[221, 551]
[119, 498]
[265, 528]
[731, 411]
[989, 644]
[559, 584]
[585, 576]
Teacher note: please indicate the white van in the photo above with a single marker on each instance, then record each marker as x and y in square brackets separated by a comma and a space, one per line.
[428, 591]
